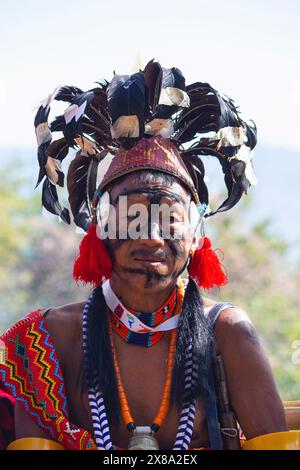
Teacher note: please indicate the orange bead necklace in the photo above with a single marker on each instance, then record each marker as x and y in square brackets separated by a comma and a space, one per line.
[164, 406]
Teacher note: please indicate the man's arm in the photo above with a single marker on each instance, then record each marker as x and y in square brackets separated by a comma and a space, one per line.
[252, 390]
[25, 426]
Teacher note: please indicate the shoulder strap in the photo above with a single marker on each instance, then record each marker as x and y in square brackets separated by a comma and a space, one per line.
[213, 425]
[214, 312]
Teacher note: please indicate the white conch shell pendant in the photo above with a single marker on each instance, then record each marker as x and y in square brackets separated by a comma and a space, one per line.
[143, 439]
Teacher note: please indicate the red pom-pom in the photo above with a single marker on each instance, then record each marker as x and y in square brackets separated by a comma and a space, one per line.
[93, 262]
[205, 267]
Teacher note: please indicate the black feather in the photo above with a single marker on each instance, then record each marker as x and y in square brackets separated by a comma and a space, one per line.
[251, 133]
[126, 97]
[51, 203]
[68, 93]
[196, 170]
[58, 124]
[42, 159]
[81, 183]
[171, 78]
[73, 128]
[153, 74]
[41, 118]
[208, 111]
[41, 115]
[58, 149]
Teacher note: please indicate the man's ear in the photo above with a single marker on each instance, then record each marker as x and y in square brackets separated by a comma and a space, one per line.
[103, 211]
[194, 242]
[194, 216]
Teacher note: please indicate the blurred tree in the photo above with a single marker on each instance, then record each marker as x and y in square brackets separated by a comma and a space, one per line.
[36, 252]
[263, 284]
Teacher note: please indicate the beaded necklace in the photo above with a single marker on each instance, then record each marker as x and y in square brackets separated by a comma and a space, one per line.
[152, 320]
[145, 433]
[97, 405]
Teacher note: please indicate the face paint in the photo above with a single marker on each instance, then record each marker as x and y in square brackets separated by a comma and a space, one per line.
[155, 259]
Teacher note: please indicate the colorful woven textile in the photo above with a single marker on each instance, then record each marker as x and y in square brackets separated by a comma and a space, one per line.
[31, 373]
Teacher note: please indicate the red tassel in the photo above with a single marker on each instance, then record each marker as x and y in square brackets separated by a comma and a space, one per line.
[205, 267]
[93, 262]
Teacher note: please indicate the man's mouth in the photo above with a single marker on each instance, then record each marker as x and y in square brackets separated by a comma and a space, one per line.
[150, 260]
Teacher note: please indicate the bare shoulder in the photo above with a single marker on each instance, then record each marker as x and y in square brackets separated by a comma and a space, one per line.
[250, 381]
[234, 324]
[64, 315]
[64, 324]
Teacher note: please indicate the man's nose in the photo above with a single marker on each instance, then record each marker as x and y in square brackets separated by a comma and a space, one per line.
[154, 231]
[152, 234]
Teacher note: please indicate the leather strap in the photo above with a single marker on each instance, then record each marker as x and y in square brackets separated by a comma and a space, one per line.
[212, 419]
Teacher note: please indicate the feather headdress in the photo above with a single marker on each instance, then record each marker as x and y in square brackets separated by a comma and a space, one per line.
[115, 116]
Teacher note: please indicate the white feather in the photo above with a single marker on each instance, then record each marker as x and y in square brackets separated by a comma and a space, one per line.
[163, 127]
[47, 101]
[43, 133]
[125, 126]
[230, 136]
[103, 167]
[51, 165]
[87, 146]
[245, 155]
[171, 96]
[74, 111]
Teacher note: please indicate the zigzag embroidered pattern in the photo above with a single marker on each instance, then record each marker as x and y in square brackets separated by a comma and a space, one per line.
[33, 376]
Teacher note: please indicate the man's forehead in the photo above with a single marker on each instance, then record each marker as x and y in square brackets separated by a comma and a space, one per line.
[135, 186]
[150, 193]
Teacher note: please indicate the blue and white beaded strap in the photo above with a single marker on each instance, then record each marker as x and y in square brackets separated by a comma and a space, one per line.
[187, 417]
[185, 429]
[91, 394]
[103, 420]
[96, 402]
[96, 422]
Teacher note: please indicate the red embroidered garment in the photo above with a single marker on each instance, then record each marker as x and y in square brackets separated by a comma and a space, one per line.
[31, 373]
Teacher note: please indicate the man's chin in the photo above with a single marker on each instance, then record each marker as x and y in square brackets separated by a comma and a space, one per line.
[152, 275]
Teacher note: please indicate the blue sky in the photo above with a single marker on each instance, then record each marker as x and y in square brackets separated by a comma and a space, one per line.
[249, 50]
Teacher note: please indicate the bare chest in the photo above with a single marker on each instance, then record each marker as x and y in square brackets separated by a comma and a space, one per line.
[143, 373]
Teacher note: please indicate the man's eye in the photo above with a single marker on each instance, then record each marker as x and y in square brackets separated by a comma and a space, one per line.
[175, 218]
[131, 217]
[125, 217]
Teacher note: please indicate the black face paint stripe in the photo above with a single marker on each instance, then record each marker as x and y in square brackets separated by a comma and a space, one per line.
[156, 193]
[151, 276]
[175, 247]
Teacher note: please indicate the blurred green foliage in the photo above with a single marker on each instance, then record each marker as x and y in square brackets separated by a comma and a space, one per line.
[37, 256]
[264, 285]
[36, 253]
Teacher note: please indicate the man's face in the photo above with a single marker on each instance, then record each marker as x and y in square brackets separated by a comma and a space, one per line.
[153, 233]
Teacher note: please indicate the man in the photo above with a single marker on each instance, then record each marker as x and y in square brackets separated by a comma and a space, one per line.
[133, 366]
